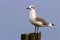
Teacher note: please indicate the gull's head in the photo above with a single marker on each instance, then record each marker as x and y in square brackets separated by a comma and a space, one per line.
[31, 7]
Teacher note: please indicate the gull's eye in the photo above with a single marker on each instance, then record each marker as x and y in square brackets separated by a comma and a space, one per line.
[33, 7]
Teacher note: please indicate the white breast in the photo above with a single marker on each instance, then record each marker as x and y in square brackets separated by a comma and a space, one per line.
[32, 16]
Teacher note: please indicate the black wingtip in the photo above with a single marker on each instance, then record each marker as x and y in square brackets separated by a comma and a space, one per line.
[53, 24]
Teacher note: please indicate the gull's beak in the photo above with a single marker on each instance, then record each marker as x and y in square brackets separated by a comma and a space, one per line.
[27, 8]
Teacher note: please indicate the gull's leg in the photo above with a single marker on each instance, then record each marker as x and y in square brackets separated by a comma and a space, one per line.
[37, 32]
[37, 29]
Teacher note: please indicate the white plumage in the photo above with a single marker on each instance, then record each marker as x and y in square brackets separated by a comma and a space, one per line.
[37, 20]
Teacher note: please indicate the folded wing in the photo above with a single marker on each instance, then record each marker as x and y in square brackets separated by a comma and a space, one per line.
[39, 19]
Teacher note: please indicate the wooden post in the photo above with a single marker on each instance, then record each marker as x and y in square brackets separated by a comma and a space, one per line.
[31, 36]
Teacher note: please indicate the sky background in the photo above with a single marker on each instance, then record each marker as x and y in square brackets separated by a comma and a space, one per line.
[14, 18]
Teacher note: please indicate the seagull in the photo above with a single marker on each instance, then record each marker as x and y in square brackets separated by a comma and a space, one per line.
[36, 20]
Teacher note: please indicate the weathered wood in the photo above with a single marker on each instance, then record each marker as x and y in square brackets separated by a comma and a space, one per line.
[31, 36]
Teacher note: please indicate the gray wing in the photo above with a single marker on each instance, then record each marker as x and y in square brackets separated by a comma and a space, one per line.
[39, 19]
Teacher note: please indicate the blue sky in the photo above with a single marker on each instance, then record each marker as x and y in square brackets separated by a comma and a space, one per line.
[14, 18]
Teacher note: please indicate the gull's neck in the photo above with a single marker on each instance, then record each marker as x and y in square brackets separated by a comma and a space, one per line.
[33, 13]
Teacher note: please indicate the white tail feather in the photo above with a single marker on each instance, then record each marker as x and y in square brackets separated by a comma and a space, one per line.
[50, 24]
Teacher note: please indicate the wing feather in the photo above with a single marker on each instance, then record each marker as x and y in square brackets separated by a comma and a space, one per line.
[39, 19]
